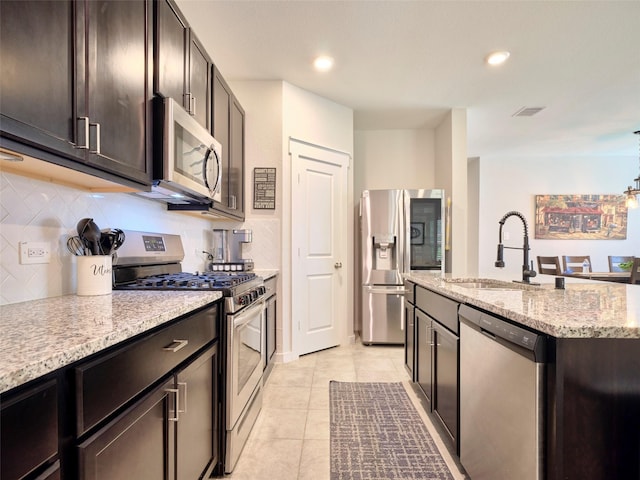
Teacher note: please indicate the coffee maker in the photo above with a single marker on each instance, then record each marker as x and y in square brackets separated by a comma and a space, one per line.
[227, 251]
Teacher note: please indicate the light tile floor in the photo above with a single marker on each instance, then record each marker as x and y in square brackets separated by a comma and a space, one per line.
[290, 439]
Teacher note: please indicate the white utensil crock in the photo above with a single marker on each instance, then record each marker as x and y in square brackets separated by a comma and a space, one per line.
[94, 275]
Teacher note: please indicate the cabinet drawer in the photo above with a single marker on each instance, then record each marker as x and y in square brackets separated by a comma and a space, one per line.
[29, 430]
[108, 382]
[438, 307]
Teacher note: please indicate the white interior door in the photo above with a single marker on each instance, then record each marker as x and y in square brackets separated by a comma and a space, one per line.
[319, 246]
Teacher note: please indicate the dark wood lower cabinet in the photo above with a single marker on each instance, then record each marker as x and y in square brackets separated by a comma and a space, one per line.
[198, 422]
[445, 379]
[424, 354]
[28, 431]
[170, 433]
[137, 444]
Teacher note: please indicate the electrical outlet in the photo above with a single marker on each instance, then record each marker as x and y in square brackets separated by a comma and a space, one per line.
[34, 252]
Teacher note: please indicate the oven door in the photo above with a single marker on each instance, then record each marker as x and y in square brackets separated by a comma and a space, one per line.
[244, 358]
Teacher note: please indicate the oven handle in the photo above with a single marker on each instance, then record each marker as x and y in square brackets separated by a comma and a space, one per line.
[241, 319]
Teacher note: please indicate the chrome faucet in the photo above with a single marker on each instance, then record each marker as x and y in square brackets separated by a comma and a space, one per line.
[527, 272]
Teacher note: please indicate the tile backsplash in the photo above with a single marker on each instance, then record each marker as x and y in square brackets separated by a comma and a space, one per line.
[36, 211]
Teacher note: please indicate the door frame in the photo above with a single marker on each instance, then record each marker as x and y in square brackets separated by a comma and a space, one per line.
[297, 147]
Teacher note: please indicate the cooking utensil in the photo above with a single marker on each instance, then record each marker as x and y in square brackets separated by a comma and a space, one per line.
[90, 234]
[111, 239]
[76, 246]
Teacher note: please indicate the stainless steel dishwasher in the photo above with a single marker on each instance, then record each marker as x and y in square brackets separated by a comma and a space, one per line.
[502, 373]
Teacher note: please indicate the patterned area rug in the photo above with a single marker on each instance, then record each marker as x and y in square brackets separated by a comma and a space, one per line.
[376, 434]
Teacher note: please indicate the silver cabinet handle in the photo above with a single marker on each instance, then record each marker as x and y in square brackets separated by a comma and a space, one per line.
[337, 265]
[97, 127]
[177, 406]
[232, 202]
[184, 385]
[176, 345]
[86, 132]
[187, 103]
[192, 105]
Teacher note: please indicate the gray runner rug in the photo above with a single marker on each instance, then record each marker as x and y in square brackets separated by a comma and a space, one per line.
[377, 434]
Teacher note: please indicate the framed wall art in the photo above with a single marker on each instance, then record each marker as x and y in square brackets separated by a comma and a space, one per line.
[264, 188]
[581, 217]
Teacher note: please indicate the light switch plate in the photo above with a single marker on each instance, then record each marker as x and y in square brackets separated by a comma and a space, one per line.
[35, 252]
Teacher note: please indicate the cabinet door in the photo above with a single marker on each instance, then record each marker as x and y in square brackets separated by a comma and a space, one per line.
[445, 383]
[36, 85]
[198, 420]
[236, 158]
[424, 353]
[199, 95]
[221, 109]
[171, 47]
[409, 339]
[28, 430]
[113, 85]
[137, 444]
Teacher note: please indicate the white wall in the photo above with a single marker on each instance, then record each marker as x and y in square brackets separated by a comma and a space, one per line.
[401, 158]
[451, 173]
[511, 184]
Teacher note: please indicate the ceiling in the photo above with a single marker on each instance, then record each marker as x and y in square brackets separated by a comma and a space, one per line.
[403, 64]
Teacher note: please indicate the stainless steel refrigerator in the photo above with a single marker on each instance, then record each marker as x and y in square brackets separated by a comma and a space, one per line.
[400, 230]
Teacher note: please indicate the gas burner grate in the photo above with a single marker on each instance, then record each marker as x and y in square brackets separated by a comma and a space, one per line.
[194, 281]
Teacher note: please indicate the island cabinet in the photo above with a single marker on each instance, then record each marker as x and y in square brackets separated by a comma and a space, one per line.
[593, 411]
[437, 358]
[76, 85]
[182, 66]
[29, 432]
[229, 129]
[410, 330]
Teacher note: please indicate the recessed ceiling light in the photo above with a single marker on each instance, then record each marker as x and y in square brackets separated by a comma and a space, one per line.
[323, 63]
[497, 58]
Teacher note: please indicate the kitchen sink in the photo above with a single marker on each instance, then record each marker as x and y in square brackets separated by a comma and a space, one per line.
[489, 284]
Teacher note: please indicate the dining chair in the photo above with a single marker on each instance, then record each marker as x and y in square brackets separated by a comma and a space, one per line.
[574, 262]
[635, 271]
[549, 265]
[615, 261]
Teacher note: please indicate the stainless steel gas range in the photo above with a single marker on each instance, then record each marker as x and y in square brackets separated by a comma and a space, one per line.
[151, 261]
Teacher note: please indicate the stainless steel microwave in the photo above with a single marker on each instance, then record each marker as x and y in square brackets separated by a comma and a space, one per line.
[192, 158]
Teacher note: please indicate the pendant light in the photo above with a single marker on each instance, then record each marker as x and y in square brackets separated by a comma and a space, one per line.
[633, 192]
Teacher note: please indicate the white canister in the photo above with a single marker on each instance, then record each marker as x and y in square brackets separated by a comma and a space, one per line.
[94, 275]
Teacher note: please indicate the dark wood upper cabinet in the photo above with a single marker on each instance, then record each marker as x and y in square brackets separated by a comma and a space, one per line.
[113, 85]
[228, 129]
[75, 84]
[36, 85]
[183, 67]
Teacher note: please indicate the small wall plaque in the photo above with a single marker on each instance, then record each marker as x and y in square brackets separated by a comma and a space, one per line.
[264, 188]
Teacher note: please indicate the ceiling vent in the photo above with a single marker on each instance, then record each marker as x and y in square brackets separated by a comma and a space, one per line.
[527, 111]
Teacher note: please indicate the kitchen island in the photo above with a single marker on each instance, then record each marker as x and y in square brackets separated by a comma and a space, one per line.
[591, 388]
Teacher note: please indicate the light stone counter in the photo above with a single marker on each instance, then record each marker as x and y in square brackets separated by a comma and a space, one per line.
[41, 336]
[584, 309]
[266, 274]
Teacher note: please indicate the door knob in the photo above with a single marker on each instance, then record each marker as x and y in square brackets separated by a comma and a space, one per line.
[338, 265]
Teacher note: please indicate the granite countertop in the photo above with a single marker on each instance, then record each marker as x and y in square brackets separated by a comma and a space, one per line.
[266, 274]
[584, 309]
[40, 336]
